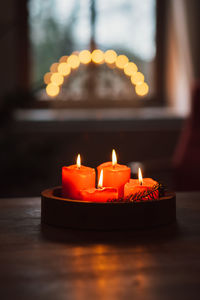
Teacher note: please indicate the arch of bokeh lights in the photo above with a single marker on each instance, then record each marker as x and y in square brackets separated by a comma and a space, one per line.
[58, 71]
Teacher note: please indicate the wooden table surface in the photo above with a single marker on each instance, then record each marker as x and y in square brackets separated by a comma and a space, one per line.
[43, 262]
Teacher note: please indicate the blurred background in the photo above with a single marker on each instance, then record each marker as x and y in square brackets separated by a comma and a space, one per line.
[98, 109]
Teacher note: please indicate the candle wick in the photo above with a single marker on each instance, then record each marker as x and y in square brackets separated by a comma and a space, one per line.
[141, 183]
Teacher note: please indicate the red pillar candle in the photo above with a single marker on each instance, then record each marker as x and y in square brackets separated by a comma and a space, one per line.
[140, 185]
[101, 194]
[115, 175]
[76, 178]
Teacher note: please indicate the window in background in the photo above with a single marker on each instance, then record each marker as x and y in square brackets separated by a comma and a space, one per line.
[59, 27]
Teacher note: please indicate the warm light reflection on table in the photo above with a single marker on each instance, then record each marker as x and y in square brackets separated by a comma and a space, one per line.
[102, 268]
[44, 262]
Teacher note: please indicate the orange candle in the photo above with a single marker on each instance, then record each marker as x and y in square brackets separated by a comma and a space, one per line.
[101, 194]
[140, 185]
[76, 178]
[115, 175]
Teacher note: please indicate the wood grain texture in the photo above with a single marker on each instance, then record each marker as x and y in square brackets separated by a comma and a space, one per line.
[43, 262]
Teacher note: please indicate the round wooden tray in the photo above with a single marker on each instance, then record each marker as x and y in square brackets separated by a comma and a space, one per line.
[77, 214]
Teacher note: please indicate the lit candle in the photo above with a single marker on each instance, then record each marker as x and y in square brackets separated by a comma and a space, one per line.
[75, 178]
[140, 185]
[115, 175]
[101, 194]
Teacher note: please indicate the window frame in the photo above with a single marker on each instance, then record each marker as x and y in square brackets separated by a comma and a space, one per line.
[159, 67]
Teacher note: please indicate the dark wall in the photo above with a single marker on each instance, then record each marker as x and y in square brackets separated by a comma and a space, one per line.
[33, 153]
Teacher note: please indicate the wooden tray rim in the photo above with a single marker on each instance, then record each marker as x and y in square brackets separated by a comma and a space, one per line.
[49, 193]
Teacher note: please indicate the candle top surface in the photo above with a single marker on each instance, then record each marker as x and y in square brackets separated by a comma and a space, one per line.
[82, 168]
[145, 182]
[115, 168]
[99, 190]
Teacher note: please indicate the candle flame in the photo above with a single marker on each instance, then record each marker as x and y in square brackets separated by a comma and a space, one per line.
[100, 183]
[140, 176]
[78, 161]
[114, 158]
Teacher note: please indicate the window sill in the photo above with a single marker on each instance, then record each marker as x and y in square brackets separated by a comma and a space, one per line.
[99, 119]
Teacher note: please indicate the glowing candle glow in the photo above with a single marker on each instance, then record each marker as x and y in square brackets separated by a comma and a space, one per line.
[114, 158]
[78, 161]
[76, 178]
[100, 183]
[140, 176]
